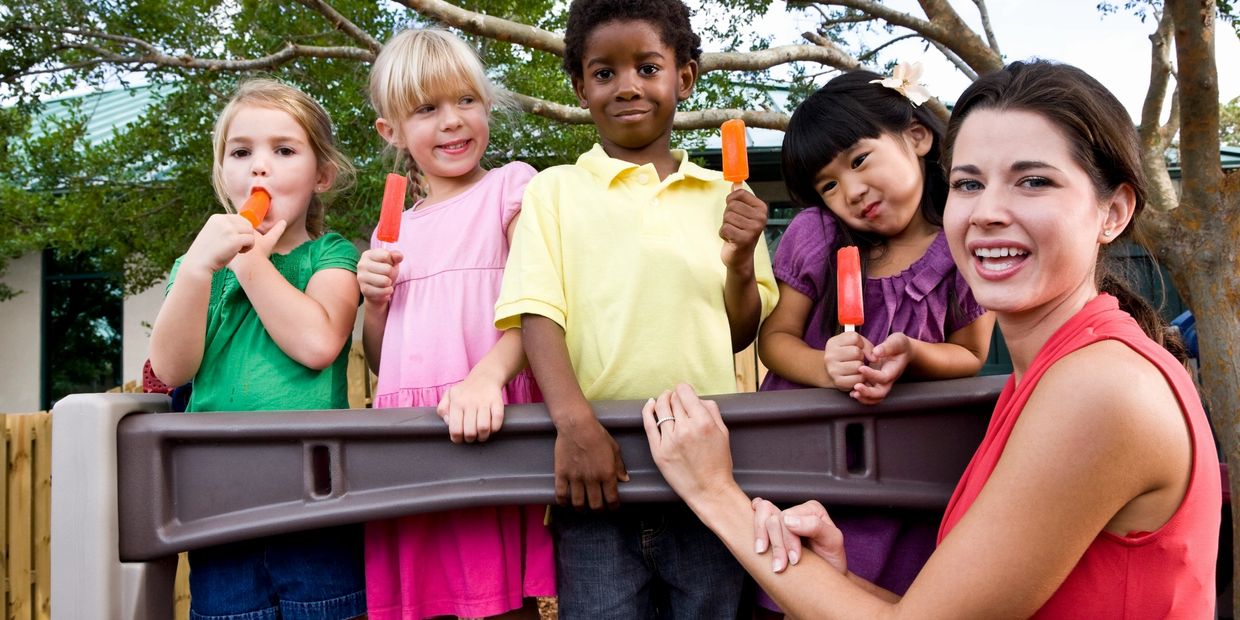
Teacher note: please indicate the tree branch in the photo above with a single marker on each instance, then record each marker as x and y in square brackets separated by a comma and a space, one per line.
[1153, 141]
[1198, 85]
[696, 119]
[488, 26]
[848, 63]
[990, 33]
[955, 60]
[765, 59]
[343, 24]
[866, 57]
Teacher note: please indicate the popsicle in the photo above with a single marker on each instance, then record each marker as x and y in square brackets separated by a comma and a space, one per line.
[735, 159]
[255, 207]
[393, 204]
[848, 287]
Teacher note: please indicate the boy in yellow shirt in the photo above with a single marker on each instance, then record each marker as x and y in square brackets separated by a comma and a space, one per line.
[631, 271]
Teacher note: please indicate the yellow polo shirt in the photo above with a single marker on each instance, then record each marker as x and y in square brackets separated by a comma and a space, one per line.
[629, 266]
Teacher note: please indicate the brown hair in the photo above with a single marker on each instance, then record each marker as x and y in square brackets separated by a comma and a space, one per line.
[1103, 142]
[312, 118]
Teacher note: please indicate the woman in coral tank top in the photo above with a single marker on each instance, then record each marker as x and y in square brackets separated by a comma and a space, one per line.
[1095, 492]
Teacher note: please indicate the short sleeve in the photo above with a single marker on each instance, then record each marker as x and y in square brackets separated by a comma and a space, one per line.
[335, 252]
[534, 275]
[962, 309]
[517, 176]
[172, 275]
[801, 259]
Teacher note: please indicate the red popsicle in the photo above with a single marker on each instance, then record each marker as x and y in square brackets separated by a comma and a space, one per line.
[848, 287]
[255, 207]
[393, 204]
[735, 158]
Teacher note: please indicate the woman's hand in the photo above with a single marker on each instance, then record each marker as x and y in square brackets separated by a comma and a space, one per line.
[689, 443]
[782, 532]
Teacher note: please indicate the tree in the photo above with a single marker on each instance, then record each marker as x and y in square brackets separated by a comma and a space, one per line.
[320, 44]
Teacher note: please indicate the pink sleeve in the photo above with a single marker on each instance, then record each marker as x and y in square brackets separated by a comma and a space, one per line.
[516, 176]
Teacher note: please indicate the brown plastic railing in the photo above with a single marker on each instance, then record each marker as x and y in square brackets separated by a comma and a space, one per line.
[190, 481]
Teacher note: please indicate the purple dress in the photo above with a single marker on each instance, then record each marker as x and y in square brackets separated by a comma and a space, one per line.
[928, 301]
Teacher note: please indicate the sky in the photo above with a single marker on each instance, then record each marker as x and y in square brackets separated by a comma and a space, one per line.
[1113, 48]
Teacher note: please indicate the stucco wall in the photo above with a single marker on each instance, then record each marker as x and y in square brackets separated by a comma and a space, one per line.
[20, 329]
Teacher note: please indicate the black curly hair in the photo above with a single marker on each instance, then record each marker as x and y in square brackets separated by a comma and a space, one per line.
[669, 17]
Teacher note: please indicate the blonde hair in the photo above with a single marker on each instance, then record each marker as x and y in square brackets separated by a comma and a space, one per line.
[419, 65]
[313, 119]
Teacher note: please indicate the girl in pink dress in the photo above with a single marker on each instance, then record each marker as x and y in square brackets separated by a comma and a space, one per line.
[428, 333]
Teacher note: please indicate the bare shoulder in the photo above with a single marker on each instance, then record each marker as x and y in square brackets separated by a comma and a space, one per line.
[1111, 400]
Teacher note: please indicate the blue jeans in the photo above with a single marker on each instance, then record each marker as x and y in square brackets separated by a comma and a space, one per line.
[643, 561]
[315, 574]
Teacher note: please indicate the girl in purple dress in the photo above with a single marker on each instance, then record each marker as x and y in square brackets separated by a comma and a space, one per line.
[862, 156]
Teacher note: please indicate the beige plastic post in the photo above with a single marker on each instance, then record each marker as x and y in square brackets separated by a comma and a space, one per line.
[88, 578]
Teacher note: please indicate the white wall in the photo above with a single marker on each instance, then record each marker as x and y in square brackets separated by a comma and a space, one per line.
[20, 329]
[140, 311]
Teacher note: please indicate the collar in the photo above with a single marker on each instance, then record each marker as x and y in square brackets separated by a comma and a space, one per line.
[606, 168]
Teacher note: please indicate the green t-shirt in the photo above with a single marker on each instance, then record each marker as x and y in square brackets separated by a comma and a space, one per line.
[242, 367]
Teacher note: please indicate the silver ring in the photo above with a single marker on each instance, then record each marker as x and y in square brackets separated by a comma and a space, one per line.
[660, 421]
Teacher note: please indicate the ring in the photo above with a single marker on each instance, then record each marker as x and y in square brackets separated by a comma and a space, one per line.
[660, 421]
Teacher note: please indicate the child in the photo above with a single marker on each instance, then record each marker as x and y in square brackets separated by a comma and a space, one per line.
[864, 159]
[261, 320]
[428, 334]
[632, 270]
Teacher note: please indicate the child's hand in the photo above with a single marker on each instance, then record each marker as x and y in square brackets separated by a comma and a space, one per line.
[260, 251]
[221, 238]
[376, 274]
[473, 409]
[588, 467]
[844, 357]
[886, 363]
[744, 221]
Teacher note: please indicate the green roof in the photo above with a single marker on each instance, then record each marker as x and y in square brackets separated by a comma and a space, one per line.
[105, 112]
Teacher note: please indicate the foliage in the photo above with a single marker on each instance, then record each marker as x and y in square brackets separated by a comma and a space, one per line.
[138, 199]
[1229, 123]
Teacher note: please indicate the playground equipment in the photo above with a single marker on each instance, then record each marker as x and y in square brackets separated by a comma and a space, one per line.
[134, 486]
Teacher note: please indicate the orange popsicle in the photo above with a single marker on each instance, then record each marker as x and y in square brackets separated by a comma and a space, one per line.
[735, 158]
[255, 207]
[393, 204]
[848, 287]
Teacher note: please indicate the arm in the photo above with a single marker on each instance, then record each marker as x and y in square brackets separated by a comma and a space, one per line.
[377, 270]
[179, 334]
[961, 356]
[744, 221]
[474, 408]
[1069, 470]
[587, 459]
[780, 344]
[310, 327]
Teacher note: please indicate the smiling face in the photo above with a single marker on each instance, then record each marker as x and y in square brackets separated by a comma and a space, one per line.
[267, 148]
[875, 186]
[1023, 218]
[447, 136]
[631, 84]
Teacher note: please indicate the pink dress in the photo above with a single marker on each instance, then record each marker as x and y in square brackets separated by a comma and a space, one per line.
[471, 562]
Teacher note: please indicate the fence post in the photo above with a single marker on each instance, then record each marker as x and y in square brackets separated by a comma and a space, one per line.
[88, 578]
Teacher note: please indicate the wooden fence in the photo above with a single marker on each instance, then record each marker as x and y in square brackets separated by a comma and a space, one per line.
[26, 490]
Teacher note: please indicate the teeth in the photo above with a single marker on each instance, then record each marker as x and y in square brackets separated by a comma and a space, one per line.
[998, 252]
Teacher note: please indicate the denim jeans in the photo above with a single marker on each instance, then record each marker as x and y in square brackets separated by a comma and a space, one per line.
[643, 561]
[315, 574]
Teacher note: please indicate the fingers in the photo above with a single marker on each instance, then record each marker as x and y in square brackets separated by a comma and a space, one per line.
[456, 424]
[779, 543]
[496, 422]
[876, 376]
[622, 472]
[562, 489]
[653, 436]
[594, 495]
[762, 510]
[870, 394]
